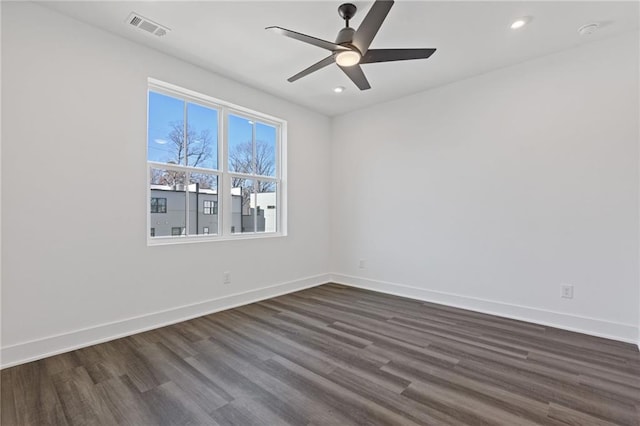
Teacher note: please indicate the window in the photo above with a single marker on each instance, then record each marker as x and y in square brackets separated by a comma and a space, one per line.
[235, 176]
[158, 205]
[210, 207]
[253, 169]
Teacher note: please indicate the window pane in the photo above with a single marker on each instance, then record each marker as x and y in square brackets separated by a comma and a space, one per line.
[202, 136]
[240, 144]
[242, 213]
[266, 200]
[158, 205]
[165, 143]
[265, 150]
[169, 189]
[203, 192]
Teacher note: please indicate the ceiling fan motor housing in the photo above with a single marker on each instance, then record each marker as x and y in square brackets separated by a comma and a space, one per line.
[345, 36]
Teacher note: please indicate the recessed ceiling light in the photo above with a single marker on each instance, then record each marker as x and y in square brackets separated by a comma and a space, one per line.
[520, 22]
[338, 89]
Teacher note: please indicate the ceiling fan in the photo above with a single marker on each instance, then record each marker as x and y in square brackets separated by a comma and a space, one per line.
[351, 47]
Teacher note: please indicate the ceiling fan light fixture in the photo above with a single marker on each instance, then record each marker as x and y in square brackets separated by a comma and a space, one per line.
[348, 58]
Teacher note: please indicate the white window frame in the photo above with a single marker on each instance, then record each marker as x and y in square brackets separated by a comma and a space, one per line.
[224, 175]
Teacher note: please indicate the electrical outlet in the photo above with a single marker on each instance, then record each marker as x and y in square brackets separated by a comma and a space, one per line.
[362, 264]
[226, 276]
[567, 291]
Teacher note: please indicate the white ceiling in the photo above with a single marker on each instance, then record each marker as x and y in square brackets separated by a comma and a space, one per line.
[228, 38]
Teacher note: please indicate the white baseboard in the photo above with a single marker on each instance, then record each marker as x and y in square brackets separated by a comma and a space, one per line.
[41, 348]
[592, 326]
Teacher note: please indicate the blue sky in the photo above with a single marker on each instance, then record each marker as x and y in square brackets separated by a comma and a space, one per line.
[165, 110]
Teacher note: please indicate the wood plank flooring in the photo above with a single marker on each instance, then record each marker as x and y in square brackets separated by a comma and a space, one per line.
[334, 355]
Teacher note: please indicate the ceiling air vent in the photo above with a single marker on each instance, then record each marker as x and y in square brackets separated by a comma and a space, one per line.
[147, 25]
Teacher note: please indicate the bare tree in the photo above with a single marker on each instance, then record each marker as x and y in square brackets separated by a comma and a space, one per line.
[241, 160]
[167, 177]
[197, 150]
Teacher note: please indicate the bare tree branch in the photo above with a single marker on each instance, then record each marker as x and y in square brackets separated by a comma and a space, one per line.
[241, 160]
[167, 177]
[198, 146]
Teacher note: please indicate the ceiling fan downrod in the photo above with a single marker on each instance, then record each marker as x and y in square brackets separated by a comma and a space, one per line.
[347, 11]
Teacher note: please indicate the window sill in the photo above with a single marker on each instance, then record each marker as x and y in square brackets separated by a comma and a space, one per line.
[166, 241]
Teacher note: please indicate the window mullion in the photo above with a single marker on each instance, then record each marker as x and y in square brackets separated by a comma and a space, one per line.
[255, 205]
[148, 201]
[187, 174]
[254, 161]
[262, 178]
[184, 134]
[254, 166]
[248, 176]
[225, 197]
[176, 168]
[226, 212]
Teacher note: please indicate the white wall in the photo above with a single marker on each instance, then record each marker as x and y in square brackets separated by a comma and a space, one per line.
[490, 192]
[75, 131]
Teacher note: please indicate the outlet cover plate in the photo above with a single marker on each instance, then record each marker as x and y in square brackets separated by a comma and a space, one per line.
[567, 291]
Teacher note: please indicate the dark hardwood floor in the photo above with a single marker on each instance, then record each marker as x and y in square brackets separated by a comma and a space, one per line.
[334, 355]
